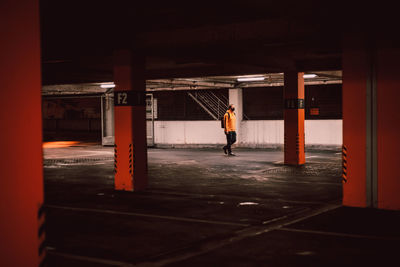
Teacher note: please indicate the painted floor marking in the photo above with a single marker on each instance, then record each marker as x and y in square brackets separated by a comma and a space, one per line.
[236, 198]
[146, 215]
[241, 234]
[90, 259]
[339, 234]
[177, 256]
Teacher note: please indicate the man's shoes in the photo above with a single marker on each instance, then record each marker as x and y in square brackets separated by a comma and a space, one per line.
[231, 154]
[224, 148]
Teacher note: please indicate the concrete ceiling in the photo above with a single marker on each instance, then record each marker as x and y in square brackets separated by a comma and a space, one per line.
[197, 39]
[193, 83]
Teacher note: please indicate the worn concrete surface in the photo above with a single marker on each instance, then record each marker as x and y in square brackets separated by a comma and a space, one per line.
[203, 208]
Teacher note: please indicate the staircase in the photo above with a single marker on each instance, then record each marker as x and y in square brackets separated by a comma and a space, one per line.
[215, 104]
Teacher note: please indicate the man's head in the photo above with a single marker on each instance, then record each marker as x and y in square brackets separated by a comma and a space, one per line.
[232, 107]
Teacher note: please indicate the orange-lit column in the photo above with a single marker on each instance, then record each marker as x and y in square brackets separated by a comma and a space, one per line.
[294, 118]
[130, 121]
[21, 168]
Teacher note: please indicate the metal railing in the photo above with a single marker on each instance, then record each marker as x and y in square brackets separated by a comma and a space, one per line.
[214, 104]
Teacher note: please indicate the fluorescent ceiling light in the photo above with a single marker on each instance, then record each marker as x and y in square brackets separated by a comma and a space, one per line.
[108, 85]
[312, 75]
[251, 79]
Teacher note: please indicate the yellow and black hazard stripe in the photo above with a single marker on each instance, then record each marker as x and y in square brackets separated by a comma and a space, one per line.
[344, 164]
[42, 236]
[134, 160]
[115, 158]
[130, 159]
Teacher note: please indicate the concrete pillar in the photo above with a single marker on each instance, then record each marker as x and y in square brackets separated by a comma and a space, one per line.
[388, 126]
[108, 138]
[130, 121]
[294, 118]
[371, 122]
[236, 98]
[109, 121]
[356, 163]
[21, 164]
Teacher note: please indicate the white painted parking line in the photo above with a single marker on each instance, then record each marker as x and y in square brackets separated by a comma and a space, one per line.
[238, 236]
[146, 215]
[90, 259]
[236, 198]
[339, 234]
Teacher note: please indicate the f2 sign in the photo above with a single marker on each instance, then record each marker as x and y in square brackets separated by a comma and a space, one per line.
[129, 98]
[122, 98]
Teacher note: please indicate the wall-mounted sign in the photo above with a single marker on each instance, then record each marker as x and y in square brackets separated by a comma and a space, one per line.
[294, 103]
[130, 98]
[314, 111]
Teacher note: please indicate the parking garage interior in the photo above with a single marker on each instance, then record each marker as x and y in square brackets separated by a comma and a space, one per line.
[91, 179]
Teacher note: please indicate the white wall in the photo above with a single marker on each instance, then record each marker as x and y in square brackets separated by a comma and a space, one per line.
[261, 132]
[323, 132]
[188, 132]
[251, 133]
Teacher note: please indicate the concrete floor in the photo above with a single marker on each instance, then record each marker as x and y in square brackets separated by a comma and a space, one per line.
[203, 208]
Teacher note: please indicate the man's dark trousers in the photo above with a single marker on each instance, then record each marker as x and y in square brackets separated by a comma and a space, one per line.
[230, 140]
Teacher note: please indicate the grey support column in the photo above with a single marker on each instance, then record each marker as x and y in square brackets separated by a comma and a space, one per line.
[236, 98]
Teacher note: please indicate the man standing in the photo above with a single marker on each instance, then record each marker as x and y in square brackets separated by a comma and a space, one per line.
[230, 129]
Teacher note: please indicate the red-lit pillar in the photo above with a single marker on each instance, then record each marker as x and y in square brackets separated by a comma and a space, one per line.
[371, 122]
[21, 168]
[294, 118]
[357, 76]
[388, 125]
[130, 121]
